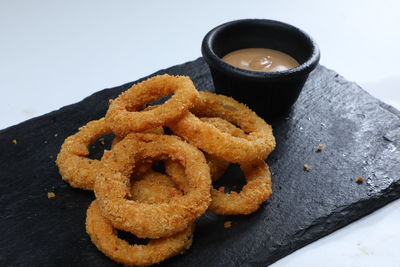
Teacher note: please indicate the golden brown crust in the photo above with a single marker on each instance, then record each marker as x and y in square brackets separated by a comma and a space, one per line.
[257, 189]
[73, 164]
[152, 220]
[124, 117]
[217, 165]
[152, 187]
[104, 237]
[224, 126]
[257, 145]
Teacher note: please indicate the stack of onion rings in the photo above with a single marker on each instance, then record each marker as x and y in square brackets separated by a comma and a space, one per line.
[132, 197]
[112, 186]
[218, 165]
[252, 195]
[103, 235]
[152, 188]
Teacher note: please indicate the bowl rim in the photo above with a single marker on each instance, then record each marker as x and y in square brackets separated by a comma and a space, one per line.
[216, 62]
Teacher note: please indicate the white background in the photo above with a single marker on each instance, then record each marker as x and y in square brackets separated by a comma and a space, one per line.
[54, 53]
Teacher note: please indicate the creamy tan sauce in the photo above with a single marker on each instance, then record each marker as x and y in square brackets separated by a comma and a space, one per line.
[260, 59]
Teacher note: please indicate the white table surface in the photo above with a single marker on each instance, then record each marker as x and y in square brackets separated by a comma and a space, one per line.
[54, 53]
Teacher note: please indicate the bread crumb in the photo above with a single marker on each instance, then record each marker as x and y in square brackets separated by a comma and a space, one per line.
[110, 101]
[14, 141]
[45, 141]
[307, 167]
[228, 224]
[320, 148]
[51, 156]
[56, 134]
[360, 180]
[51, 195]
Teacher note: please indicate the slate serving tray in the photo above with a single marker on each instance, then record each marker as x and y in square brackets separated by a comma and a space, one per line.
[361, 138]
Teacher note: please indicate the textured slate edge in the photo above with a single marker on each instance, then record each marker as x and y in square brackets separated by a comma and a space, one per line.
[339, 217]
[327, 225]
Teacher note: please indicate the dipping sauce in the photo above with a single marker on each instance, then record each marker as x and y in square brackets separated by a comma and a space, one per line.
[260, 59]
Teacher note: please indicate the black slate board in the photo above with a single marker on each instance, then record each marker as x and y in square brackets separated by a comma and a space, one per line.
[360, 135]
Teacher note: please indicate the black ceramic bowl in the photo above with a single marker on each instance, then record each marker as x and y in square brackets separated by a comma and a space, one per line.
[270, 94]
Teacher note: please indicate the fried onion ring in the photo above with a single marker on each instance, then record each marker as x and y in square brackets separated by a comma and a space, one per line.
[73, 164]
[152, 220]
[257, 145]
[123, 115]
[104, 237]
[152, 188]
[158, 130]
[145, 165]
[257, 189]
[217, 165]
